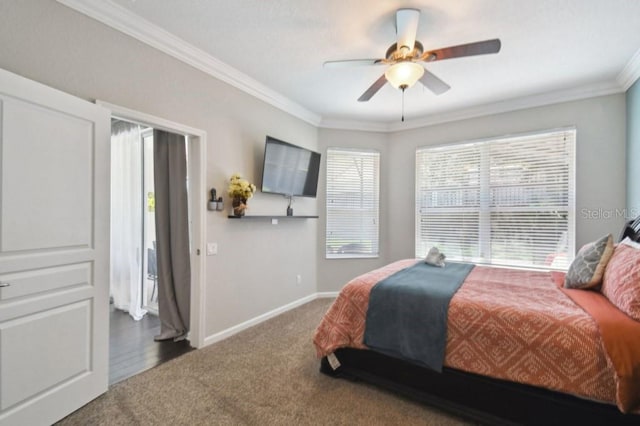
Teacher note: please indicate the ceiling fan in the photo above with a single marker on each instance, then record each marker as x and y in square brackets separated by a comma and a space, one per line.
[404, 57]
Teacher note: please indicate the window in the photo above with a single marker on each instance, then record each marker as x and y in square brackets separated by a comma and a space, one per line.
[352, 203]
[506, 201]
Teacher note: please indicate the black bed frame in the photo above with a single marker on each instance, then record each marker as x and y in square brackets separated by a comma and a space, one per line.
[476, 397]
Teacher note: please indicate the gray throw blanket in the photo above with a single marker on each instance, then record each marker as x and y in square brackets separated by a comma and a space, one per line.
[407, 314]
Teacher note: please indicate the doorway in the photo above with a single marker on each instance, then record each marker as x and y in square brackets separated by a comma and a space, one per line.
[138, 335]
[134, 293]
[197, 158]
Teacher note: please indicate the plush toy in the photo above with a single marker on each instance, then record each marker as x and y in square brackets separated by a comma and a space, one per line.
[435, 258]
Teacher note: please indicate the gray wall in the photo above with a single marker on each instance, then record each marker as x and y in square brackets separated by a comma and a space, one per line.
[600, 173]
[633, 150]
[255, 270]
[257, 263]
[334, 273]
[600, 161]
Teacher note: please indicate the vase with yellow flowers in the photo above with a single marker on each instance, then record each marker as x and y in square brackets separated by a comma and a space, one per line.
[240, 190]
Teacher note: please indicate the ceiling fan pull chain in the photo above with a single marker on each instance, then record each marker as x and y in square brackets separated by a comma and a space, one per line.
[403, 104]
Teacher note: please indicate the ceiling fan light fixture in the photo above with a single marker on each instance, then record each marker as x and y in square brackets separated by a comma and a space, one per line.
[404, 74]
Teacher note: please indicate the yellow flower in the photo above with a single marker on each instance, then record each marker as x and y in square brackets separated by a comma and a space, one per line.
[239, 187]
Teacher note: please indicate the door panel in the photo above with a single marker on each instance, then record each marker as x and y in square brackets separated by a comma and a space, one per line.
[34, 282]
[54, 252]
[51, 207]
[68, 351]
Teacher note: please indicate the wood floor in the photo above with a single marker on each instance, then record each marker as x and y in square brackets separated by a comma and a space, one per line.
[132, 348]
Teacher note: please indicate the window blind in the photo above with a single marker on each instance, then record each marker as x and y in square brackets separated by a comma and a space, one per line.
[352, 203]
[506, 201]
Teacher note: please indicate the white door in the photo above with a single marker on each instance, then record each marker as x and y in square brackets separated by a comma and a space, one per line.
[54, 252]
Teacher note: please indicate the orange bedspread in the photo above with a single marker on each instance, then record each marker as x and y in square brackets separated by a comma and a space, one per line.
[621, 340]
[507, 324]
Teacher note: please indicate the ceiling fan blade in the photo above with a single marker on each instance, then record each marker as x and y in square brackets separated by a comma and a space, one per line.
[407, 27]
[373, 89]
[469, 49]
[433, 83]
[352, 62]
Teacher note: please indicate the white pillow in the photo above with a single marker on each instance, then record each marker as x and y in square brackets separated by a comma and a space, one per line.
[628, 241]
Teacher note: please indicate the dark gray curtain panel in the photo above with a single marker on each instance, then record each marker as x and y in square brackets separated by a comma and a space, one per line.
[172, 234]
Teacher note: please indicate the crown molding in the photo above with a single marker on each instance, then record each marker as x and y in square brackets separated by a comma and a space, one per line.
[532, 101]
[121, 19]
[631, 72]
[364, 126]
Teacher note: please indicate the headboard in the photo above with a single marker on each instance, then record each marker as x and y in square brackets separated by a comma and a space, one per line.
[631, 229]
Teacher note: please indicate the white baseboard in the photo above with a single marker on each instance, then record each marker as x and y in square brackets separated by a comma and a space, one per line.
[327, 294]
[261, 318]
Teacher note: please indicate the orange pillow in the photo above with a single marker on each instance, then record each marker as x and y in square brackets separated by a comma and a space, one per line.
[621, 281]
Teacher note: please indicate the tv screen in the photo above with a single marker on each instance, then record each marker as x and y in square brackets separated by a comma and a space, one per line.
[289, 169]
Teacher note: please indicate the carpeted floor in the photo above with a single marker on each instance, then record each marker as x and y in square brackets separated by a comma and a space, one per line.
[266, 375]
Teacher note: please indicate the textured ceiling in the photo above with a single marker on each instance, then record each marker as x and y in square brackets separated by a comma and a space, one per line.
[548, 46]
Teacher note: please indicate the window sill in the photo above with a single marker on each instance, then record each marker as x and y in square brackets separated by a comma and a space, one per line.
[351, 256]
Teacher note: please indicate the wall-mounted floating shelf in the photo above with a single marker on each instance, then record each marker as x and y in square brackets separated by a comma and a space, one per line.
[271, 217]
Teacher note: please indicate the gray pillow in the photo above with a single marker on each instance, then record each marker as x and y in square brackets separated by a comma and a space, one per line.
[587, 268]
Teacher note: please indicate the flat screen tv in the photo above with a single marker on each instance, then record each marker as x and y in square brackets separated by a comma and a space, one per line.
[289, 169]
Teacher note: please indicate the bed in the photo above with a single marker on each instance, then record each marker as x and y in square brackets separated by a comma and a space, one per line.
[520, 348]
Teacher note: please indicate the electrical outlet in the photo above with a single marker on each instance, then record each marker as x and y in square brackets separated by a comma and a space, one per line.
[212, 249]
[298, 279]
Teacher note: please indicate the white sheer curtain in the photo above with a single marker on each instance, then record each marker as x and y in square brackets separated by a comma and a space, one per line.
[126, 218]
